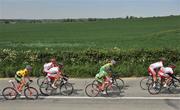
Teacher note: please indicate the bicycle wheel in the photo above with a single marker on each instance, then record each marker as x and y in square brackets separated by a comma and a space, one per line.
[174, 87]
[113, 90]
[31, 93]
[95, 82]
[40, 80]
[144, 83]
[156, 89]
[46, 88]
[66, 89]
[92, 90]
[9, 93]
[119, 82]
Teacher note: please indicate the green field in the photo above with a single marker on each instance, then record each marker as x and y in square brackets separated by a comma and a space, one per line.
[161, 32]
[85, 46]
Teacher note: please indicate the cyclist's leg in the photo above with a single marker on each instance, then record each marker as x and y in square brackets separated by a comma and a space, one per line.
[53, 73]
[57, 77]
[99, 80]
[104, 83]
[168, 79]
[21, 83]
[52, 76]
[163, 78]
[153, 73]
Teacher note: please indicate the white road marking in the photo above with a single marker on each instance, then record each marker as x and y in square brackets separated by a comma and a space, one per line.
[112, 98]
[106, 98]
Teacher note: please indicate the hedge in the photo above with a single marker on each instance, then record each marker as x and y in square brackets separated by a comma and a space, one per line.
[86, 63]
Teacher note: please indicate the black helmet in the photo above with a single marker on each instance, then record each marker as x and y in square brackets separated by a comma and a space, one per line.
[172, 66]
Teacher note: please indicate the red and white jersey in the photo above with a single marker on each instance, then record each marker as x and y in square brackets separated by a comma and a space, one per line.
[48, 66]
[156, 65]
[166, 70]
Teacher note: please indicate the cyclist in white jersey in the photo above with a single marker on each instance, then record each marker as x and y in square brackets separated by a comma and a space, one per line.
[167, 73]
[154, 67]
[52, 70]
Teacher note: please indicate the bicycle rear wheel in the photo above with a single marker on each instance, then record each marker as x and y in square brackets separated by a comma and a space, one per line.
[46, 88]
[40, 80]
[9, 93]
[113, 90]
[66, 89]
[92, 90]
[144, 83]
[31, 93]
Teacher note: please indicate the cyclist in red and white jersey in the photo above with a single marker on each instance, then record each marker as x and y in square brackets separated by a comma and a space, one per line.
[52, 71]
[154, 67]
[48, 66]
[167, 73]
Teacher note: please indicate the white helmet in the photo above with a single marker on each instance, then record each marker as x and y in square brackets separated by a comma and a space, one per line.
[28, 67]
[113, 62]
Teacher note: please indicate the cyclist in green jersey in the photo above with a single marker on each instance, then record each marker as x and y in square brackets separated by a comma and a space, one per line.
[103, 77]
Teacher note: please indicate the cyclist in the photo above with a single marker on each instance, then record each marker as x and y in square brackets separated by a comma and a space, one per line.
[103, 77]
[167, 73]
[48, 66]
[20, 77]
[54, 74]
[154, 67]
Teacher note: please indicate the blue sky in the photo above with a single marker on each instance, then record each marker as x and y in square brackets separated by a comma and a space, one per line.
[58, 9]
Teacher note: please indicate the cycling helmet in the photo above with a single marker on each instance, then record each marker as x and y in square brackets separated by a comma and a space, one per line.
[172, 66]
[28, 67]
[113, 62]
[53, 60]
[162, 59]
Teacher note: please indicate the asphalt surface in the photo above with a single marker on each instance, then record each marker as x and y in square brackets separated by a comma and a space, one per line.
[132, 98]
[132, 88]
[90, 104]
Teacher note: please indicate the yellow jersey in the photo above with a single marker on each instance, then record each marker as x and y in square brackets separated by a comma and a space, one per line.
[22, 73]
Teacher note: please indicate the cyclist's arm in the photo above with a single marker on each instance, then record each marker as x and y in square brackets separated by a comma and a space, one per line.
[173, 76]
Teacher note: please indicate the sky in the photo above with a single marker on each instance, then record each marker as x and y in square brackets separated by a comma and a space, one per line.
[60, 9]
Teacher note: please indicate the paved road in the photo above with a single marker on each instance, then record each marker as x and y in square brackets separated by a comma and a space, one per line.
[90, 104]
[132, 98]
[132, 88]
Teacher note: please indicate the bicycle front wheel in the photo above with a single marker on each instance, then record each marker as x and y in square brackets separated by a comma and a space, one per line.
[66, 89]
[113, 90]
[9, 93]
[92, 90]
[31, 93]
[119, 82]
[154, 89]
[174, 87]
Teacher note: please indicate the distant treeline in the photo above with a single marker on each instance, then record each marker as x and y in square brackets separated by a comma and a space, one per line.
[14, 21]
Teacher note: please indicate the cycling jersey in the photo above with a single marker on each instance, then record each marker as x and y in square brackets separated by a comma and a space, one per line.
[48, 66]
[103, 72]
[107, 67]
[164, 71]
[22, 73]
[156, 65]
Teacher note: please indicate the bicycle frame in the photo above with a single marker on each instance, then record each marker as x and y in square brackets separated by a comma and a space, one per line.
[12, 83]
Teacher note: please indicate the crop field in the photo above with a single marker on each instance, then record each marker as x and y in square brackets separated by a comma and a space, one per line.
[162, 32]
[84, 46]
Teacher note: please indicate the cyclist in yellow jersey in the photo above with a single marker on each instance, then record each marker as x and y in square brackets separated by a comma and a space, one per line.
[21, 75]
